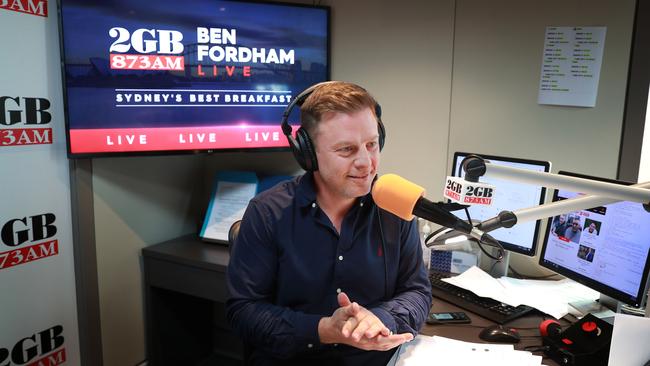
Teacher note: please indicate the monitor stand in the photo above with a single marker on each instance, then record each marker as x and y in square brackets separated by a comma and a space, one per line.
[492, 267]
[604, 307]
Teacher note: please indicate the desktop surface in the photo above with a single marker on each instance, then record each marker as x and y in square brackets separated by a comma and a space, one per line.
[527, 326]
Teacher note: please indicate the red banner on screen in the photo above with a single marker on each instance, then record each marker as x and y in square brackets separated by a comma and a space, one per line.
[176, 138]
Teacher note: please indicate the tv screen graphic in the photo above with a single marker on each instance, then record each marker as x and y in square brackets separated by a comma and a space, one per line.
[171, 76]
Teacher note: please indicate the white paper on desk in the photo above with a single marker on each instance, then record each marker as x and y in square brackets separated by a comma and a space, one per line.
[482, 284]
[425, 350]
[545, 296]
[550, 297]
[629, 341]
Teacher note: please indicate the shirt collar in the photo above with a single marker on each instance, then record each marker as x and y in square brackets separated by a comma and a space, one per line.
[307, 192]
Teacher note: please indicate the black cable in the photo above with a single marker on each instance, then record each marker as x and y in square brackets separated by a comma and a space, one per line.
[539, 348]
[500, 252]
[492, 266]
[495, 243]
[469, 219]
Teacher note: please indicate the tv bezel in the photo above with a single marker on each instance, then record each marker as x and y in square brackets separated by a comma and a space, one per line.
[286, 148]
[511, 247]
[593, 284]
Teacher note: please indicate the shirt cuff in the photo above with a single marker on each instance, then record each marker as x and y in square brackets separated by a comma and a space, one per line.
[385, 318]
[306, 326]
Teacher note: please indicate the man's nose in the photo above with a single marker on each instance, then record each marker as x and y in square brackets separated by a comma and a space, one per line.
[363, 158]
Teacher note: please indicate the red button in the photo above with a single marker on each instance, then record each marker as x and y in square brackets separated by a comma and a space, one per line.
[567, 341]
[589, 326]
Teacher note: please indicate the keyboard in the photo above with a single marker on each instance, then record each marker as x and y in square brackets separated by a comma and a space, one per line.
[486, 307]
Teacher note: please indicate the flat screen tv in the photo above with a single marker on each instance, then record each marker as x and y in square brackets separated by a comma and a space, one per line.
[169, 76]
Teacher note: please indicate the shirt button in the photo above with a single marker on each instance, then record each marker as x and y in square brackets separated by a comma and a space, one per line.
[310, 345]
[340, 257]
[336, 344]
[313, 204]
[338, 290]
[361, 204]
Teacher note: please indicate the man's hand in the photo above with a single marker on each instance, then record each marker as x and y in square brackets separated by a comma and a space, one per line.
[356, 326]
[362, 323]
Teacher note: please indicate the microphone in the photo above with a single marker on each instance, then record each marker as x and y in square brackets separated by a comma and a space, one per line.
[405, 199]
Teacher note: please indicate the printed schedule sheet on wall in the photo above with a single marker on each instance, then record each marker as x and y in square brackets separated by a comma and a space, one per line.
[571, 64]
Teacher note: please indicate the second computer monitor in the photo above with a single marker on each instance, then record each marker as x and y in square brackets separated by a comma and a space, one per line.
[509, 196]
[606, 248]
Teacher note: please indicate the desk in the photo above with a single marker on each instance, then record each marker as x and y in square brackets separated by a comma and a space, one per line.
[185, 293]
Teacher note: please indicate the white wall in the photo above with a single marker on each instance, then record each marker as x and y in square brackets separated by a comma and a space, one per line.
[402, 53]
[138, 201]
[497, 62]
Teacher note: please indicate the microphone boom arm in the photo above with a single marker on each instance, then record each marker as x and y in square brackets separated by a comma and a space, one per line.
[600, 193]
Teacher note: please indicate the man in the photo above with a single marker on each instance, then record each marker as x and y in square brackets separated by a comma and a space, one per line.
[319, 275]
[590, 254]
[591, 229]
[560, 226]
[573, 232]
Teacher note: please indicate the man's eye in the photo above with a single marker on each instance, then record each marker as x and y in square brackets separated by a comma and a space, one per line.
[372, 144]
[346, 149]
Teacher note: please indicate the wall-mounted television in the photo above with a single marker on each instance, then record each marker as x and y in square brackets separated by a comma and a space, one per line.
[169, 76]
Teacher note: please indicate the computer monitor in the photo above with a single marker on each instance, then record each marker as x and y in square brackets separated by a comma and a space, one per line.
[509, 196]
[605, 248]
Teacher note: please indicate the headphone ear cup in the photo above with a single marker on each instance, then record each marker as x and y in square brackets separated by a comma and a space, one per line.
[382, 135]
[380, 127]
[306, 157]
[295, 149]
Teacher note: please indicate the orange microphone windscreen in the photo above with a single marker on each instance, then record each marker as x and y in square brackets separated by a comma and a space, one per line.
[396, 195]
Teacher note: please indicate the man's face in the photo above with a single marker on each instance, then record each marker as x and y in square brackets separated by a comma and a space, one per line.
[347, 148]
[562, 219]
[592, 227]
[575, 225]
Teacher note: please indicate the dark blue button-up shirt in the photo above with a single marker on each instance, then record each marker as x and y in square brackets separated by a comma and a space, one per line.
[289, 263]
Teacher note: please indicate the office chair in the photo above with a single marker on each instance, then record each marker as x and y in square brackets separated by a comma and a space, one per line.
[233, 232]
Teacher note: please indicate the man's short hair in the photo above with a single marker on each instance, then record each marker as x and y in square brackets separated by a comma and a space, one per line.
[338, 96]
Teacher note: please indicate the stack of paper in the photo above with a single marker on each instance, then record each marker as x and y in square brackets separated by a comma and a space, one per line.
[550, 297]
[441, 351]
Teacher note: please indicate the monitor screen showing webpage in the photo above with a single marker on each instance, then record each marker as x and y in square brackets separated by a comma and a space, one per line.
[509, 196]
[605, 248]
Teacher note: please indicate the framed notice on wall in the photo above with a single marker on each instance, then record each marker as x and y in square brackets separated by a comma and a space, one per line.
[230, 196]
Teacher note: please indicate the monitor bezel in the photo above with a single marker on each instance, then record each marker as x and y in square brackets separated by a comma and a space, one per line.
[593, 284]
[97, 154]
[511, 247]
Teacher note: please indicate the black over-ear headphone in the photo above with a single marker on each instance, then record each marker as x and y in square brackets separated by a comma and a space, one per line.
[302, 145]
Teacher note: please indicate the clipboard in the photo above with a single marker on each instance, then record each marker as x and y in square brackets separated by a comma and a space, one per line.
[231, 193]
